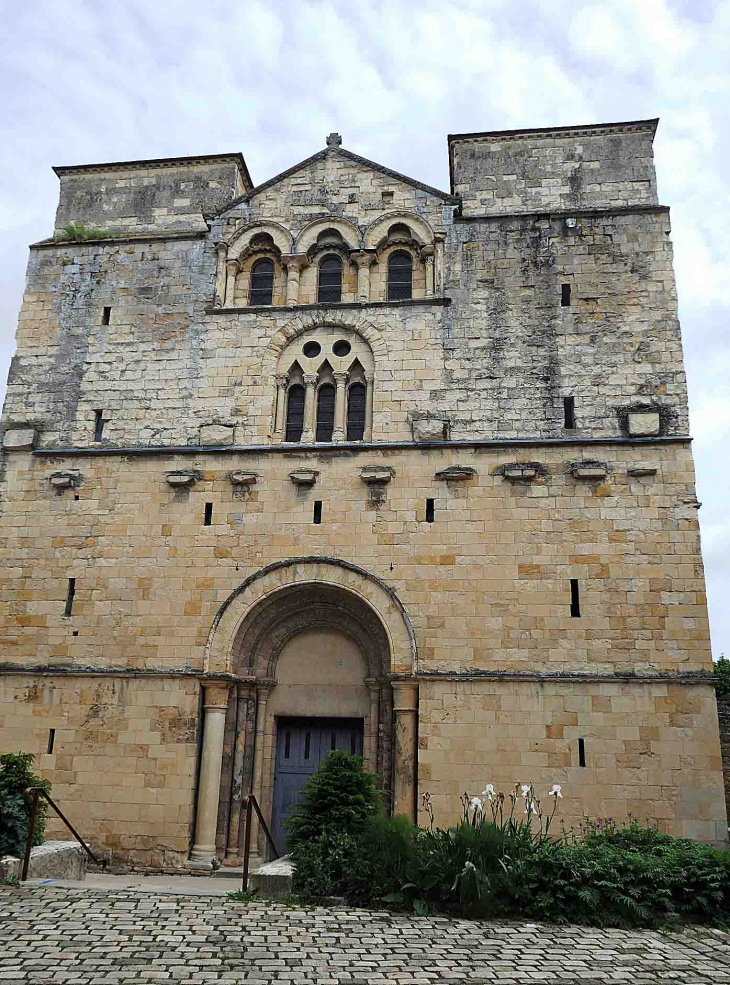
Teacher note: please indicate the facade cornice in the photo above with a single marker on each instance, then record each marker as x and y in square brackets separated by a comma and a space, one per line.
[565, 213]
[71, 670]
[586, 130]
[334, 306]
[157, 162]
[348, 447]
[47, 244]
[568, 677]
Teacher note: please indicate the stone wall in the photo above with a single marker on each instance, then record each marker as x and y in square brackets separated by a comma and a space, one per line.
[554, 169]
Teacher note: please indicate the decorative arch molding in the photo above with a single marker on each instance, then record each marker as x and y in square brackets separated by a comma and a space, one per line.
[352, 321]
[249, 613]
[241, 238]
[378, 230]
[348, 230]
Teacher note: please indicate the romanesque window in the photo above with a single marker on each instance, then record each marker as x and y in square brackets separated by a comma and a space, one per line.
[262, 282]
[400, 276]
[295, 413]
[330, 279]
[356, 412]
[325, 412]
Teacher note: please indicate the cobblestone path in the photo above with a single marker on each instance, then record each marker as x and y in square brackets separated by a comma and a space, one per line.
[78, 936]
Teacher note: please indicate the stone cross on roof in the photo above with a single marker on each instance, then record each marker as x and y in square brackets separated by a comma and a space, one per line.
[334, 140]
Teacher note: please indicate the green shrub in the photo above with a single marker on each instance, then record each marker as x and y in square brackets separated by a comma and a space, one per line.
[721, 670]
[78, 232]
[340, 797]
[15, 777]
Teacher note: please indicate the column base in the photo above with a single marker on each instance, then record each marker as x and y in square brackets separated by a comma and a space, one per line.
[307, 436]
[338, 434]
[202, 860]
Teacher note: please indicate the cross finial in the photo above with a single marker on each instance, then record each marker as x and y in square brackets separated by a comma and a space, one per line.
[334, 140]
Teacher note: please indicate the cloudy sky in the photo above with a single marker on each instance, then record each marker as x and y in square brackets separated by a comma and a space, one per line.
[86, 81]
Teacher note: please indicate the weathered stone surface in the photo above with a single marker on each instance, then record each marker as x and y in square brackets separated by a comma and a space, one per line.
[217, 434]
[428, 429]
[274, 880]
[51, 860]
[643, 425]
[304, 477]
[15, 439]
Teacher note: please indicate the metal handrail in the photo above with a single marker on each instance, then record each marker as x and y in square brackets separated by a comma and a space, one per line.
[36, 792]
[251, 804]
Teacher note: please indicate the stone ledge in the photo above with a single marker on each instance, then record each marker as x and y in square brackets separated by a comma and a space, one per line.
[334, 305]
[51, 860]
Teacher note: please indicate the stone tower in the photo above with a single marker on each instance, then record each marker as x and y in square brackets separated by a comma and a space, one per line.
[341, 460]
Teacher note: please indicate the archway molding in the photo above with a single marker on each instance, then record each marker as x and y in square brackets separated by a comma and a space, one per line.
[378, 230]
[351, 321]
[249, 632]
[242, 236]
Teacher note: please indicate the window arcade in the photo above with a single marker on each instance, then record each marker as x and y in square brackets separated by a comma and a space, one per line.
[262, 282]
[329, 289]
[400, 276]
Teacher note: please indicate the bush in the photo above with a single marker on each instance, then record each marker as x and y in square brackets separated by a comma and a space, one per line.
[721, 670]
[15, 777]
[339, 798]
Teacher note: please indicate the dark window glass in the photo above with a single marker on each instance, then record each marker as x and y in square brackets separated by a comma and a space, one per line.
[400, 276]
[262, 282]
[356, 412]
[325, 412]
[330, 280]
[295, 413]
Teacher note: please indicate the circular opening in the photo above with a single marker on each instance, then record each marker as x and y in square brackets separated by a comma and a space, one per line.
[311, 349]
[341, 348]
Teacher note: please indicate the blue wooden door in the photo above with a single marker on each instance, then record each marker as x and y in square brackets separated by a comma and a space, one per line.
[301, 745]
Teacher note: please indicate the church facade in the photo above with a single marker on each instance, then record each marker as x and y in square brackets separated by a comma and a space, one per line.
[345, 461]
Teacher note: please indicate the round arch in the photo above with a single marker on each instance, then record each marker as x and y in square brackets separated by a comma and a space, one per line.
[348, 230]
[242, 236]
[258, 618]
[378, 230]
[305, 322]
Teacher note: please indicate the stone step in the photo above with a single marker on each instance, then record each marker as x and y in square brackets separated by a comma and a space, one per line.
[273, 880]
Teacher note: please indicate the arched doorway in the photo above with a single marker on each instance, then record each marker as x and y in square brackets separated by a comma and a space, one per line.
[317, 657]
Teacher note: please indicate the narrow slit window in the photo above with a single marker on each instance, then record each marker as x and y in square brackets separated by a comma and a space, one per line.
[99, 423]
[307, 743]
[581, 752]
[330, 280]
[430, 510]
[325, 412]
[400, 276]
[565, 296]
[356, 412]
[569, 411]
[71, 591]
[51, 740]
[106, 316]
[295, 413]
[208, 515]
[574, 598]
[262, 282]
[317, 515]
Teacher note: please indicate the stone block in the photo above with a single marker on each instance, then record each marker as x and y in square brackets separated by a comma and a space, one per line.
[16, 439]
[217, 434]
[644, 424]
[51, 860]
[431, 429]
[273, 880]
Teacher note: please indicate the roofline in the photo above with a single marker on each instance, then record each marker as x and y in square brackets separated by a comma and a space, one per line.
[320, 155]
[629, 126]
[158, 162]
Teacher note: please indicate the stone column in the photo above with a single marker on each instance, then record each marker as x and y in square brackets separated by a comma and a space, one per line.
[428, 258]
[364, 261]
[369, 383]
[293, 264]
[439, 264]
[220, 275]
[232, 268]
[214, 726]
[405, 706]
[263, 689]
[340, 383]
[371, 738]
[281, 385]
[242, 767]
[310, 383]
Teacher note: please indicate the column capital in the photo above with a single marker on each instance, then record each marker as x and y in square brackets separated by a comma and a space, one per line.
[405, 696]
[340, 376]
[263, 687]
[282, 381]
[369, 378]
[222, 248]
[310, 379]
[216, 695]
[363, 258]
[245, 688]
[297, 261]
[372, 684]
[427, 252]
[232, 266]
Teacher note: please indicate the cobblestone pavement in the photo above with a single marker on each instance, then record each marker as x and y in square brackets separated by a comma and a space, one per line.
[78, 936]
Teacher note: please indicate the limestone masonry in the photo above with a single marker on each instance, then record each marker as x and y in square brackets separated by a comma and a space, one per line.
[345, 461]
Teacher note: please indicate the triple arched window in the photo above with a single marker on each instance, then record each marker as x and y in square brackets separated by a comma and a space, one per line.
[262, 282]
[329, 288]
[400, 275]
[325, 417]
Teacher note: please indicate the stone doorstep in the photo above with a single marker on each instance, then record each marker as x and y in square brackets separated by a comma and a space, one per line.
[51, 860]
[274, 880]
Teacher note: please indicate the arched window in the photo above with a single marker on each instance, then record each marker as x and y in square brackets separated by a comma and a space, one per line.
[330, 279]
[400, 276]
[295, 413]
[262, 282]
[356, 412]
[325, 412]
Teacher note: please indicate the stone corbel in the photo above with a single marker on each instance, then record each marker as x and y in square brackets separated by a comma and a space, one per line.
[65, 480]
[588, 470]
[521, 471]
[304, 477]
[376, 474]
[456, 473]
[183, 478]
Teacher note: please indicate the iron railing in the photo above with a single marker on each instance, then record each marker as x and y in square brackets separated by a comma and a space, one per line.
[35, 793]
[250, 804]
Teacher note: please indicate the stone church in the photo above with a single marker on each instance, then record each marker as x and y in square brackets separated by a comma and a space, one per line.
[341, 460]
